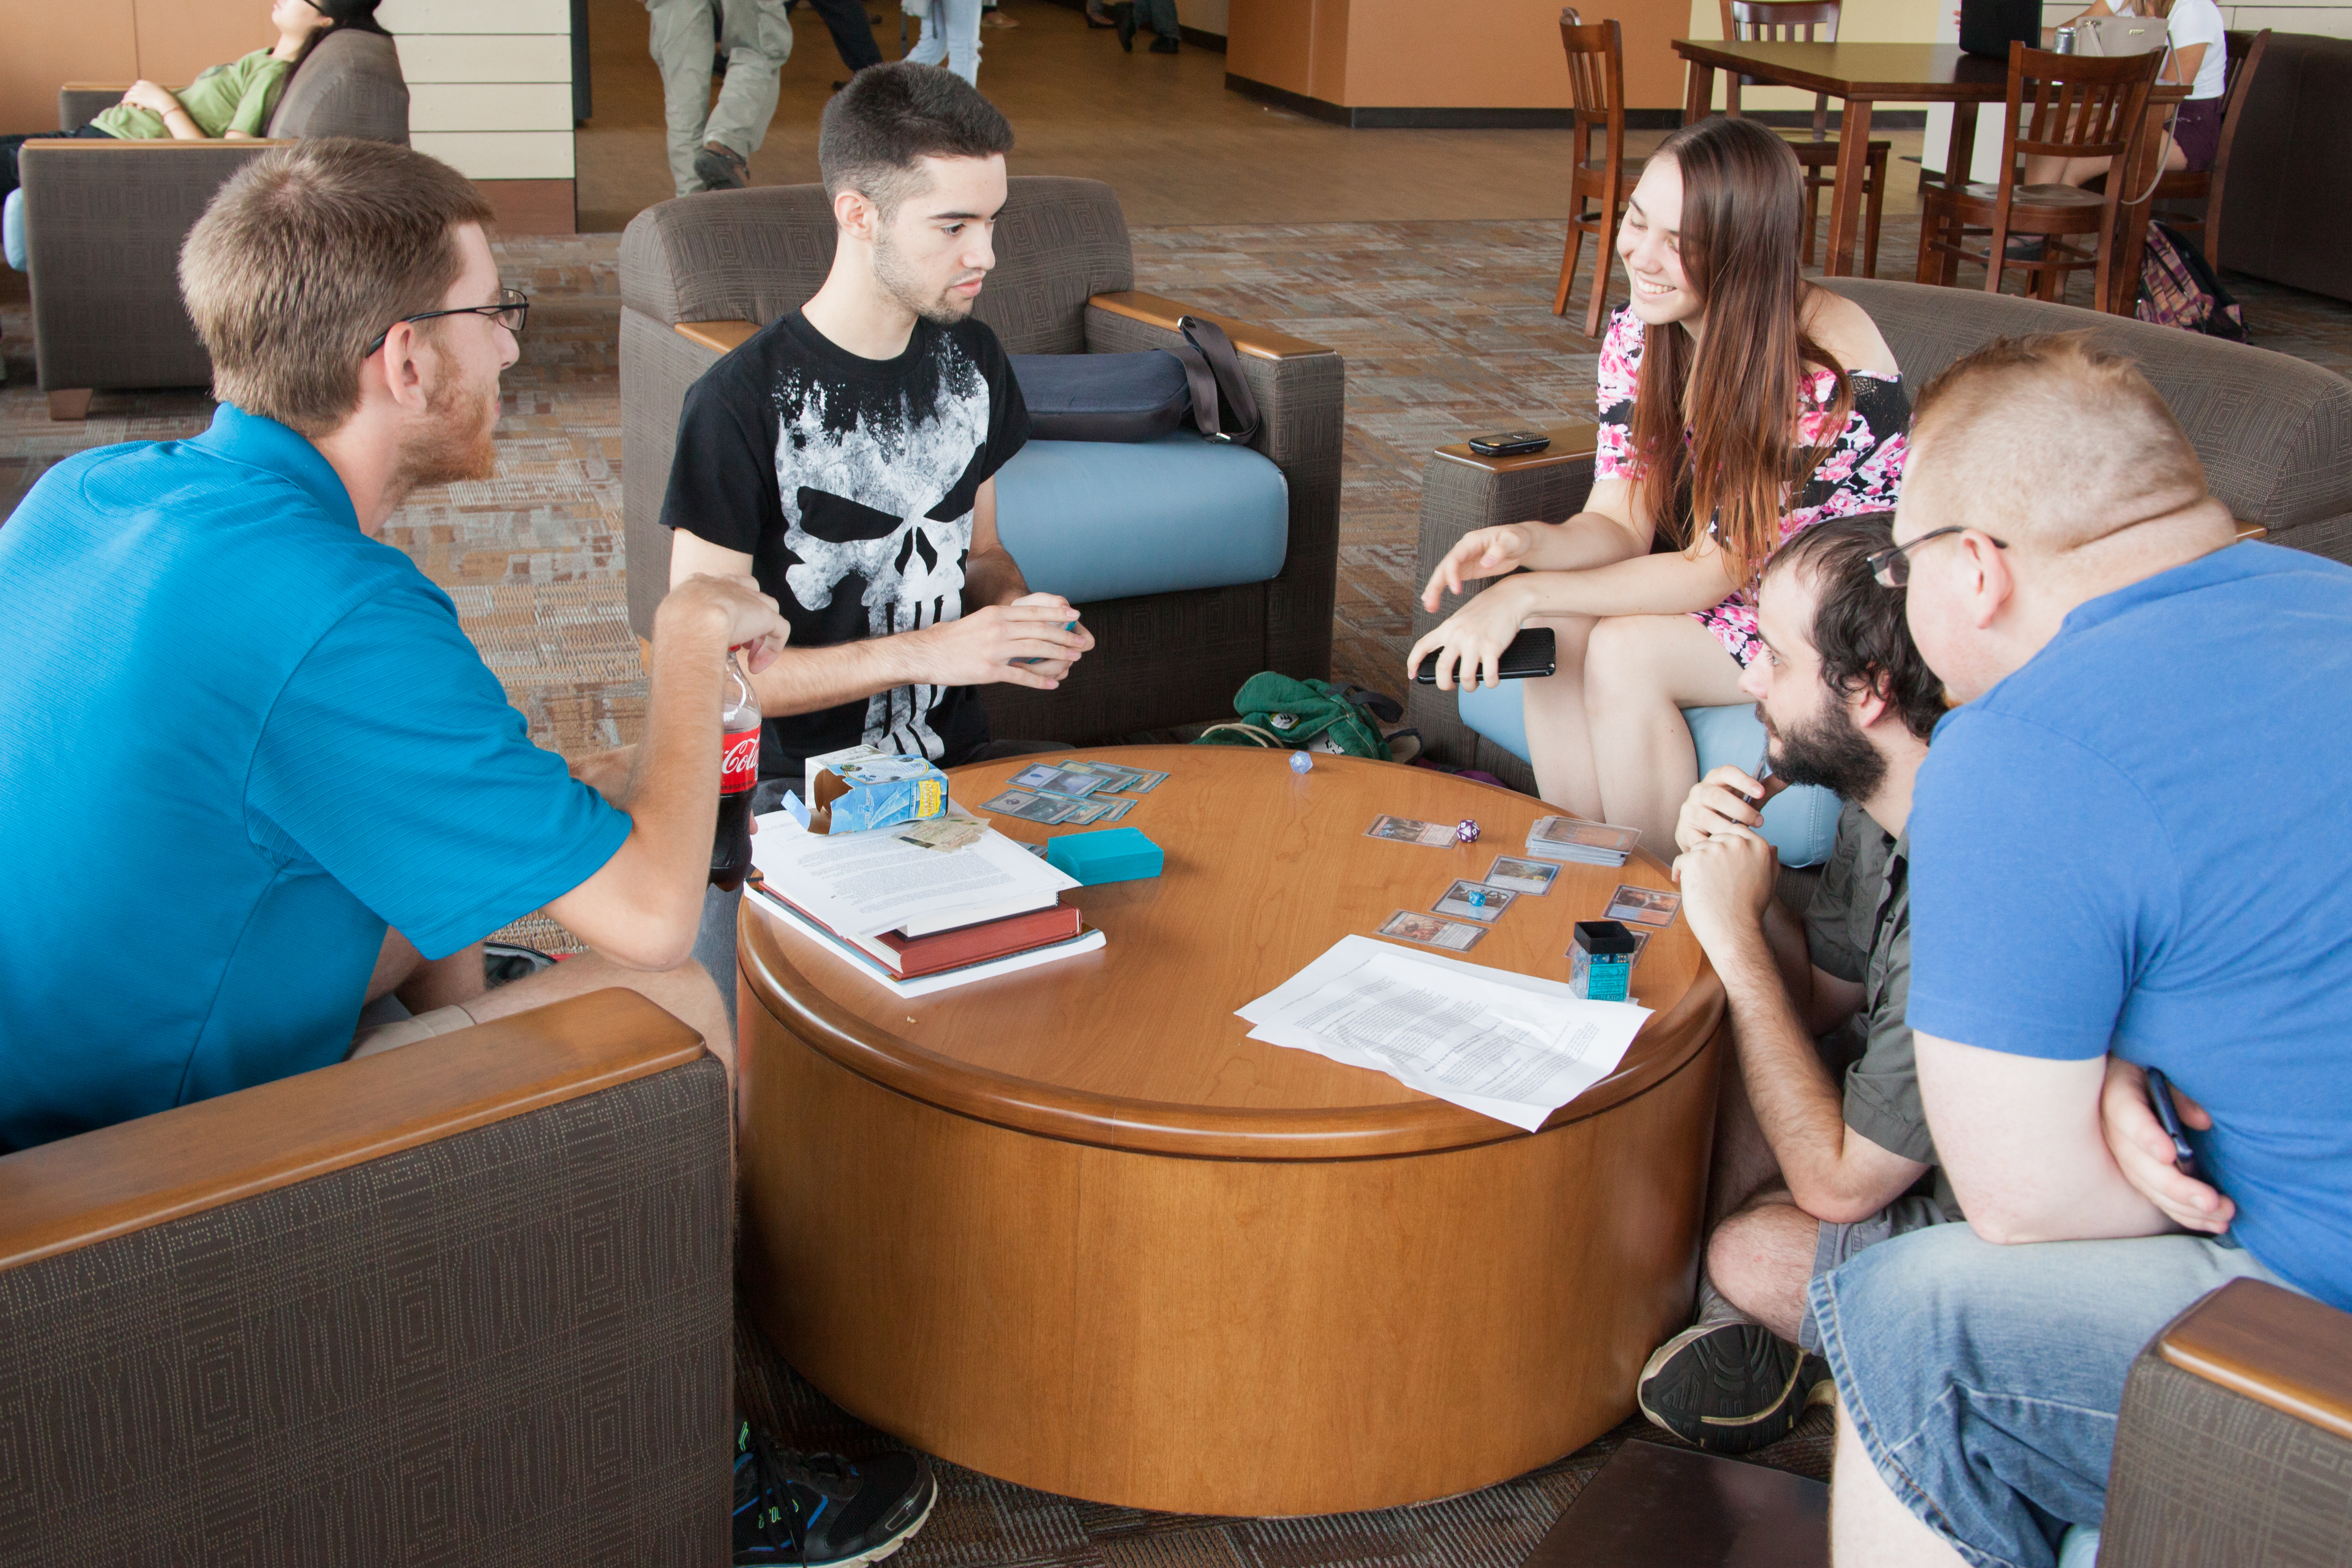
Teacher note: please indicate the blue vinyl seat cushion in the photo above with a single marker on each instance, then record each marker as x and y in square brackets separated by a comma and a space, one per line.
[1102, 520]
[1799, 822]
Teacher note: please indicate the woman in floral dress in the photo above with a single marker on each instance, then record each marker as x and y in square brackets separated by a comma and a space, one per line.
[1739, 404]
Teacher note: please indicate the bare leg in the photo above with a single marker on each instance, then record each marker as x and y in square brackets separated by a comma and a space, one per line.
[1560, 742]
[1761, 1258]
[1869, 1526]
[1641, 671]
[1743, 1162]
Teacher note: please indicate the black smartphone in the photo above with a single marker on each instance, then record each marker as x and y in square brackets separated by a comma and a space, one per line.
[2159, 1096]
[1509, 443]
[1535, 651]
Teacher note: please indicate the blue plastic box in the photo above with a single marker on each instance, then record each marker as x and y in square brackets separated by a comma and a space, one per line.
[1107, 855]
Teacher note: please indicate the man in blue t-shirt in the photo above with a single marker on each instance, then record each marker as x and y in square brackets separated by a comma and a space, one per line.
[242, 726]
[2128, 852]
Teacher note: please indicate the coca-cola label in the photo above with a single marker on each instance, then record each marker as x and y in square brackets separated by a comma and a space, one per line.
[739, 767]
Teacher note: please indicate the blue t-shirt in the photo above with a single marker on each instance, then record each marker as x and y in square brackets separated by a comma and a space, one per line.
[241, 736]
[2140, 843]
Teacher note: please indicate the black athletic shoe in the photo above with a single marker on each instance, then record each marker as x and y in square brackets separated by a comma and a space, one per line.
[720, 167]
[1727, 1383]
[819, 1510]
[1163, 46]
[1123, 17]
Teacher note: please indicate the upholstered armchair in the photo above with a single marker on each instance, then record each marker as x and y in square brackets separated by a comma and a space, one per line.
[104, 220]
[466, 1301]
[1181, 618]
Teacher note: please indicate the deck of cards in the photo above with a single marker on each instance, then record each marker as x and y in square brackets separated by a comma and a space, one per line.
[1073, 793]
[1573, 838]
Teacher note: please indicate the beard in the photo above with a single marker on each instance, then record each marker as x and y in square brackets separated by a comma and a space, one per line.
[1830, 752]
[455, 442]
[898, 279]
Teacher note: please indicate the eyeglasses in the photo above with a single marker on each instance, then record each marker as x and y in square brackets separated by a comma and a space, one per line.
[1891, 568]
[512, 309]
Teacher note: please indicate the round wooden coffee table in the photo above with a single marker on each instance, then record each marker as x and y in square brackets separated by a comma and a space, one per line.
[1070, 1227]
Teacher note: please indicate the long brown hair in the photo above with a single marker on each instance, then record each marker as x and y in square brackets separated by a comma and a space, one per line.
[1736, 393]
[357, 15]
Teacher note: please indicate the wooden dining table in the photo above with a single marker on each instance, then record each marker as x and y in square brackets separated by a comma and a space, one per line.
[1862, 75]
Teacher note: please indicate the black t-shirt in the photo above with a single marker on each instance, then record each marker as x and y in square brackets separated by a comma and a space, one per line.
[850, 484]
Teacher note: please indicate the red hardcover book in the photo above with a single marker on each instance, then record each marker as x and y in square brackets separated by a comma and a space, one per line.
[912, 957]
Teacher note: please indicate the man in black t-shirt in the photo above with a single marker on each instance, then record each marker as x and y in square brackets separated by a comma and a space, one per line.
[846, 456]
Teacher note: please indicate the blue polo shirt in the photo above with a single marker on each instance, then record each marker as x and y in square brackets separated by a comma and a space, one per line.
[2141, 843]
[241, 736]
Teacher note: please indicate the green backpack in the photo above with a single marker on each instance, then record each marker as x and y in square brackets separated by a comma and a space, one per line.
[1284, 714]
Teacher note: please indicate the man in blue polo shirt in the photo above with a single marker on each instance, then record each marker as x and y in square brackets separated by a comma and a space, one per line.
[242, 727]
[2128, 852]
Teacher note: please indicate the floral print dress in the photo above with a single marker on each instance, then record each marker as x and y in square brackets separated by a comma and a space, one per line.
[1864, 471]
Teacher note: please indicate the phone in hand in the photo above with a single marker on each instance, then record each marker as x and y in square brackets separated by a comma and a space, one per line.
[1535, 651]
[2160, 1097]
[1509, 443]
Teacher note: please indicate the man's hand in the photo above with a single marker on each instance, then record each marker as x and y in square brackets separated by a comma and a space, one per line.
[980, 648]
[1481, 553]
[1721, 802]
[1469, 645]
[2144, 1151]
[1727, 880]
[608, 774]
[749, 616]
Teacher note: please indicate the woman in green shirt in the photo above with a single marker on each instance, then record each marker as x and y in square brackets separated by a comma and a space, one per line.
[230, 102]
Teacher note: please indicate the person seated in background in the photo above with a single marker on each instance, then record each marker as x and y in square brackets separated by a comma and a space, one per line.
[2199, 59]
[232, 102]
[846, 456]
[1725, 375]
[2127, 851]
[1824, 1169]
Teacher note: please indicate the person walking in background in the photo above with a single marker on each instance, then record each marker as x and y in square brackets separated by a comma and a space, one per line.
[852, 33]
[1156, 17]
[950, 38]
[710, 146]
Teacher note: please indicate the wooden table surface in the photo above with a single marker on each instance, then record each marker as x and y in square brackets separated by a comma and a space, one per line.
[1137, 1046]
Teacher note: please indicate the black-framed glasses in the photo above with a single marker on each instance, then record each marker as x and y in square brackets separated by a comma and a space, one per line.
[512, 310]
[1891, 568]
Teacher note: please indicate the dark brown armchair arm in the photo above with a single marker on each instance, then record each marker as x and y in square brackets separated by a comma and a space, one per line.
[79, 1191]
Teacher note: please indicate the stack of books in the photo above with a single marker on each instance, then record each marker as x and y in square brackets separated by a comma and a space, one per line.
[1589, 843]
[938, 934]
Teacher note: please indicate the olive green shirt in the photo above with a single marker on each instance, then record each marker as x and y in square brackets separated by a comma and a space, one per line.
[1858, 928]
[237, 95]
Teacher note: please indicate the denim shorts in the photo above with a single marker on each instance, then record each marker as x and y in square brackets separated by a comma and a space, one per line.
[1984, 1381]
[1834, 1244]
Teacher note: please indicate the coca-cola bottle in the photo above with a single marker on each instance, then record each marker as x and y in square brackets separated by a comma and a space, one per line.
[739, 770]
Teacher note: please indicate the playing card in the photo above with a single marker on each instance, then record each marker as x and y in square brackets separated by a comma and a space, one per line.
[945, 834]
[1114, 809]
[1030, 808]
[1453, 936]
[1522, 876]
[1082, 813]
[1114, 777]
[1405, 831]
[1643, 905]
[1060, 781]
[1469, 901]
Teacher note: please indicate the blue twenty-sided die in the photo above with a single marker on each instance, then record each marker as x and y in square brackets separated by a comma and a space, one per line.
[1300, 762]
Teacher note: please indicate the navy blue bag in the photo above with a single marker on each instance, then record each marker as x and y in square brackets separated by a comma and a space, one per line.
[1140, 396]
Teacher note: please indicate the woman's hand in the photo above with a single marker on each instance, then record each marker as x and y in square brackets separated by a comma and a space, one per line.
[1474, 637]
[1482, 553]
[145, 94]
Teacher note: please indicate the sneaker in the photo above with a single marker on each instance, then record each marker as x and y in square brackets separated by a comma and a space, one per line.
[819, 1510]
[720, 167]
[1727, 1384]
[1163, 46]
[1123, 17]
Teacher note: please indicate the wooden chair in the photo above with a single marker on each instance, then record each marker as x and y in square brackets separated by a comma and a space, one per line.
[2082, 106]
[1785, 21]
[2206, 185]
[1596, 80]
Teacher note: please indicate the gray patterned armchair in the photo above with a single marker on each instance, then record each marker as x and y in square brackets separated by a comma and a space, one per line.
[699, 275]
[469, 1302]
[104, 220]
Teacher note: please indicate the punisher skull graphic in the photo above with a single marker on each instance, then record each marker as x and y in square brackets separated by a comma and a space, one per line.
[897, 461]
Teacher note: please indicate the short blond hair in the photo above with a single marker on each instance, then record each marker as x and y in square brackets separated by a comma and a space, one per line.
[305, 256]
[2050, 442]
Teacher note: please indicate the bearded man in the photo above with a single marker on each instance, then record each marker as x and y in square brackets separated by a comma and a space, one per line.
[1814, 1171]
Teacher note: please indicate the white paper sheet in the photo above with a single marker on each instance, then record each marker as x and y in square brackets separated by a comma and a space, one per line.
[1508, 1045]
[862, 883]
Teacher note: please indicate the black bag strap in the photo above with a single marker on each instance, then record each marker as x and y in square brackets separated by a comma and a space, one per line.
[1213, 371]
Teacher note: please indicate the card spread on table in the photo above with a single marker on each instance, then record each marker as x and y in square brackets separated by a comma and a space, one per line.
[1522, 876]
[1115, 776]
[1453, 936]
[1643, 905]
[1030, 806]
[1060, 781]
[1469, 901]
[1405, 831]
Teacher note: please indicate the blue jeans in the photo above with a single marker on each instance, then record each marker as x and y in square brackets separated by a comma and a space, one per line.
[1984, 1381]
[951, 34]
